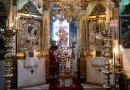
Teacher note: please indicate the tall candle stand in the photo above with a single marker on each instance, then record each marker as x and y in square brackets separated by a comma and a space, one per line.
[117, 72]
[108, 51]
[107, 55]
[8, 58]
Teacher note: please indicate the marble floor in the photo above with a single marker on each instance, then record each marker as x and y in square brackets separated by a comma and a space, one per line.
[85, 86]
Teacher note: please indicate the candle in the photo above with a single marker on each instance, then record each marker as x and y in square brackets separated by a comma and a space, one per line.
[99, 25]
[10, 14]
[121, 56]
[113, 58]
[121, 59]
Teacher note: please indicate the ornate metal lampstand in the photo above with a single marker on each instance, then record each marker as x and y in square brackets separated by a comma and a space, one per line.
[117, 72]
[8, 58]
[107, 55]
[108, 51]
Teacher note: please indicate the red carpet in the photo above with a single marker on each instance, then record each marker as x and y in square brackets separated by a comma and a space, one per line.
[54, 85]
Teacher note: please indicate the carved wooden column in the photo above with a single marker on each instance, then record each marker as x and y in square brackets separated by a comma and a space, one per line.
[83, 35]
[83, 46]
[46, 27]
[46, 35]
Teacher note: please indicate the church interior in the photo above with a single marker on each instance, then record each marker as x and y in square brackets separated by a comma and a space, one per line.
[64, 44]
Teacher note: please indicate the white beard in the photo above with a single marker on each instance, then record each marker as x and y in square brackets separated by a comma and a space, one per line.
[64, 46]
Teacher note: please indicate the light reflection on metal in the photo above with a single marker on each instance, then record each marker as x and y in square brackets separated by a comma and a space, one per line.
[67, 9]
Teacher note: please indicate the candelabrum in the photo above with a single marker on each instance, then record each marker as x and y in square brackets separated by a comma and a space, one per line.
[66, 10]
[8, 58]
[107, 55]
[117, 72]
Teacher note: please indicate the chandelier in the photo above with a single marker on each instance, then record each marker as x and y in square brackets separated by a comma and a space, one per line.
[67, 9]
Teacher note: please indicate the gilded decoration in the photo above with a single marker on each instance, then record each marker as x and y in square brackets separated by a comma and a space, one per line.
[30, 8]
[29, 37]
[99, 9]
[46, 37]
[96, 34]
[45, 5]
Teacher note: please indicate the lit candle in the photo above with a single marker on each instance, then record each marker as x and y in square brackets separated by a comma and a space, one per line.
[16, 22]
[114, 59]
[10, 15]
[121, 56]
[99, 25]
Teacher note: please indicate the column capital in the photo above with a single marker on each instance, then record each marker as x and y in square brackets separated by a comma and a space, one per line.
[45, 5]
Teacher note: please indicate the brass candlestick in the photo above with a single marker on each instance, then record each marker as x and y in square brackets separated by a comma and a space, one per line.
[107, 55]
[117, 72]
[8, 58]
